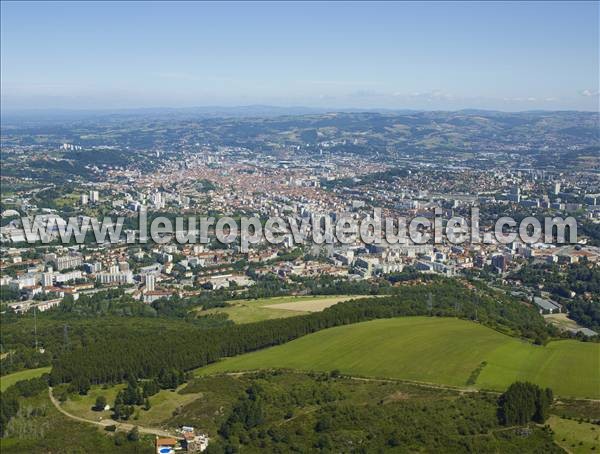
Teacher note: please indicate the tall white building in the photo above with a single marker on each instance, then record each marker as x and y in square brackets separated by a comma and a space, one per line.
[68, 261]
[115, 278]
[150, 282]
[66, 277]
[157, 199]
[47, 279]
[556, 188]
[94, 196]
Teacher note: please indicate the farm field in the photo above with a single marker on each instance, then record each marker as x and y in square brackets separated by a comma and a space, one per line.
[443, 351]
[249, 311]
[11, 379]
[574, 436]
[312, 303]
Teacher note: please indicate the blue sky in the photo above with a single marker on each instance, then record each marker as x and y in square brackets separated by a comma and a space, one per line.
[508, 56]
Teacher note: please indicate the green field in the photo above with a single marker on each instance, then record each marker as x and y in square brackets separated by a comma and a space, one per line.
[163, 404]
[574, 436]
[436, 350]
[256, 310]
[11, 379]
[81, 406]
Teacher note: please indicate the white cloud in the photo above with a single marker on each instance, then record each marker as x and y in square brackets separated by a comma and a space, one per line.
[589, 93]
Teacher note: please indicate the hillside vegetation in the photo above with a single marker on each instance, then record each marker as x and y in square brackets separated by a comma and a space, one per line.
[119, 354]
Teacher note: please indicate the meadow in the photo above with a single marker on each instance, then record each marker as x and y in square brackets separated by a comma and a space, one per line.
[575, 436]
[163, 404]
[443, 351]
[11, 379]
[256, 310]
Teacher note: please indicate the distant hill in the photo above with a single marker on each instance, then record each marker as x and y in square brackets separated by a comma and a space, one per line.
[552, 139]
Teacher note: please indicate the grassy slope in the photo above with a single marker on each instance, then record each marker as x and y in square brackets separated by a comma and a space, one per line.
[435, 350]
[163, 405]
[250, 311]
[573, 436]
[82, 405]
[11, 379]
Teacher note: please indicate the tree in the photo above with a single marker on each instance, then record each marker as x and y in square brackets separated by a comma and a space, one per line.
[80, 384]
[524, 402]
[122, 411]
[133, 393]
[63, 396]
[150, 388]
[544, 399]
[118, 411]
[147, 404]
[323, 424]
[120, 438]
[100, 403]
[134, 434]
[248, 413]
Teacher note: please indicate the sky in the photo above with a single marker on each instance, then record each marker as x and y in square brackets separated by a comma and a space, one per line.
[496, 55]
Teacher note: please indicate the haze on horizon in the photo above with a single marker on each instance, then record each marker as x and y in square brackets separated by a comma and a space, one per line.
[428, 56]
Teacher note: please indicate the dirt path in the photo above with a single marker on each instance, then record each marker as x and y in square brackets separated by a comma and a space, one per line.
[109, 422]
[463, 390]
[381, 380]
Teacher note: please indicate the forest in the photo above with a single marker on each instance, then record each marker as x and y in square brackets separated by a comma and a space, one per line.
[72, 321]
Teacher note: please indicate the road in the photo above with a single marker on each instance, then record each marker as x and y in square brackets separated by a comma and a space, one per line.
[109, 422]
